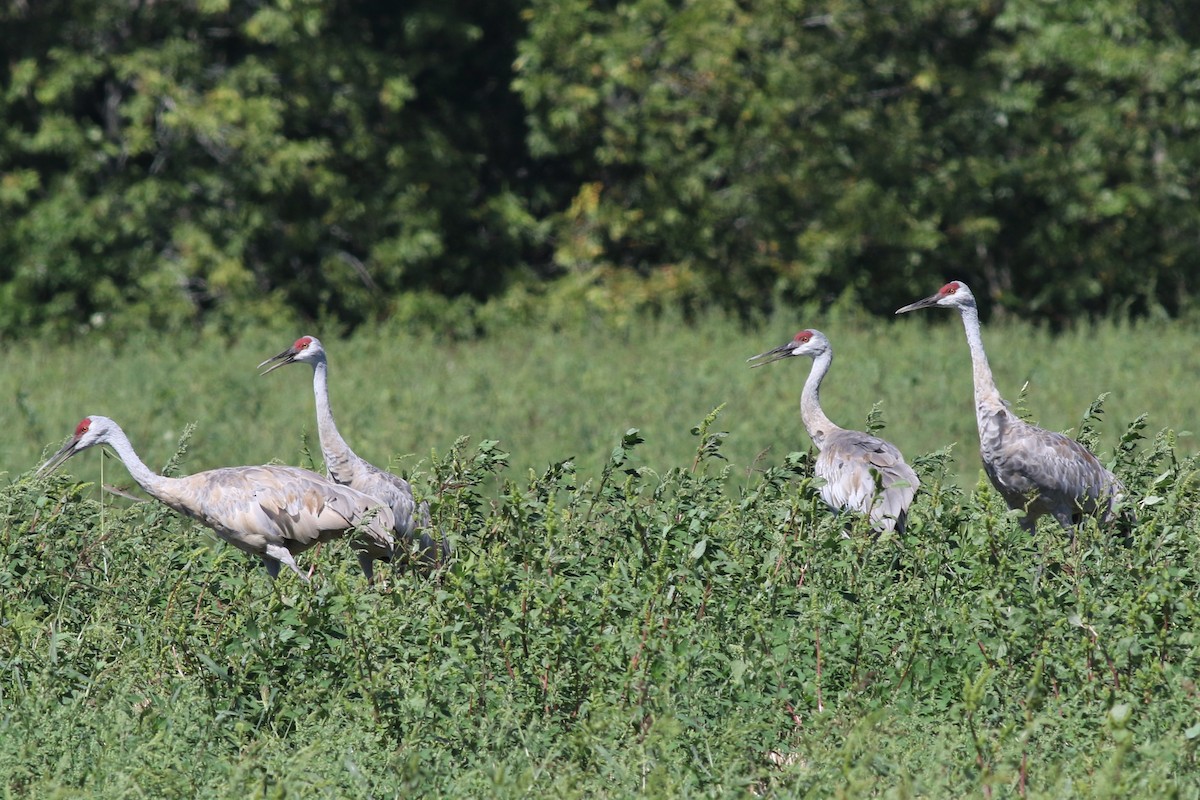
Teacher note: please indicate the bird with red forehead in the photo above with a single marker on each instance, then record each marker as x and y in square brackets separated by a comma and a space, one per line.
[1035, 470]
[273, 512]
[346, 467]
[862, 472]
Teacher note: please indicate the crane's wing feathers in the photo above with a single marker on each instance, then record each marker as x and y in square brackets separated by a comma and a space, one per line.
[1050, 463]
[407, 519]
[390, 489]
[849, 463]
[252, 507]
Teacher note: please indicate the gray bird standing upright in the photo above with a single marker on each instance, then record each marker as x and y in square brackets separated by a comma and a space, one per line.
[1035, 470]
[850, 461]
[346, 467]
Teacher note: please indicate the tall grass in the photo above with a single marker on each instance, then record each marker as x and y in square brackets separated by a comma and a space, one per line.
[549, 396]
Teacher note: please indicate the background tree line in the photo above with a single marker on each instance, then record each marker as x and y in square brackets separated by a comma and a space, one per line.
[211, 161]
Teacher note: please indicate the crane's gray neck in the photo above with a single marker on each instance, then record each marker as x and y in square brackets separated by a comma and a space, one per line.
[815, 422]
[987, 396]
[339, 458]
[157, 486]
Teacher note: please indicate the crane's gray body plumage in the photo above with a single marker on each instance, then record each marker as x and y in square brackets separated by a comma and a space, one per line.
[1035, 470]
[862, 472]
[411, 521]
[344, 466]
[273, 512]
[851, 462]
[1043, 472]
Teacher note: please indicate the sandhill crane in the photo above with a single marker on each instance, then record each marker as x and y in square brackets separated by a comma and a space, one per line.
[347, 468]
[273, 512]
[1035, 470]
[850, 461]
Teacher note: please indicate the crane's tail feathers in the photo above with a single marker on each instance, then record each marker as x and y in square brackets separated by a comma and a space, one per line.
[278, 554]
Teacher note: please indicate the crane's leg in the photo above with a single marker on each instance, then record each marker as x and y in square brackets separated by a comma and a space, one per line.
[272, 566]
[428, 554]
[364, 561]
[435, 549]
[316, 552]
[281, 555]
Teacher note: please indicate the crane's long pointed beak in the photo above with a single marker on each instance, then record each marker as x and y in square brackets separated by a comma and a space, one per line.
[56, 460]
[776, 354]
[286, 357]
[932, 300]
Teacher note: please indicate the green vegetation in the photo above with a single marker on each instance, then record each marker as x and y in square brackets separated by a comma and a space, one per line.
[565, 394]
[624, 616]
[555, 230]
[211, 162]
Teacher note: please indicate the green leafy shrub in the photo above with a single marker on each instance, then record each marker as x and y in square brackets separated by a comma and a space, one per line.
[642, 630]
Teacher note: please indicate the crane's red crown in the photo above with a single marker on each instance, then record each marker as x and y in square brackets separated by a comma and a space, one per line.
[949, 288]
[802, 337]
[83, 426]
[302, 342]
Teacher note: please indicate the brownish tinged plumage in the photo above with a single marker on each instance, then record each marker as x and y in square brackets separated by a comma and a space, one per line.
[861, 472]
[273, 512]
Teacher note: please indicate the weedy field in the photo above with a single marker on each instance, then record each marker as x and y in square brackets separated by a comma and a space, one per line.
[648, 596]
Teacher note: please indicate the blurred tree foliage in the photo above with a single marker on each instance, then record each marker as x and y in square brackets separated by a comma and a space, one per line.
[1045, 151]
[209, 160]
[185, 159]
